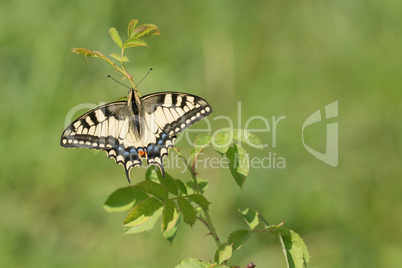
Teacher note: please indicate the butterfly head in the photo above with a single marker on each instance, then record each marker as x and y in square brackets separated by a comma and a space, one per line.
[133, 99]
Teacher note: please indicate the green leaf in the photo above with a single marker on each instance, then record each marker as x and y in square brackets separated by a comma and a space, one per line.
[262, 220]
[142, 212]
[114, 34]
[122, 98]
[251, 217]
[145, 226]
[200, 200]
[296, 252]
[124, 199]
[168, 213]
[247, 137]
[170, 220]
[169, 183]
[187, 211]
[202, 185]
[135, 43]
[202, 141]
[224, 253]
[115, 56]
[153, 188]
[153, 173]
[238, 238]
[181, 186]
[221, 140]
[238, 163]
[192, 263]
[170, 234]
[131, 27]
[145, 30]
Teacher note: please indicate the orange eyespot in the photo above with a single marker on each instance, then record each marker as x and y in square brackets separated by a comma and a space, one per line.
[142, 153]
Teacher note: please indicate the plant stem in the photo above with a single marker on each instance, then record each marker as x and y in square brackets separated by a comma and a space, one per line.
[208, 221]
[125, 72]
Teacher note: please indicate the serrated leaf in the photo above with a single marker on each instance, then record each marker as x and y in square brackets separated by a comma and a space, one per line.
[192, 263]
[221, 140]
[201, 142]
[169, 183]
[202, 185]
[170, 220]
[135, 43]
[145, 30]
[224, 253]
[114, 34]
[200, 200]
[251, 217]
[124, 199]
[170, 234]
[142, 212]
[152, 188]
[238, 163]
[168, 213]
[181, 186]
[131, 27]
[187, 211]
[297, 255]
[238, 238]
[247, 137]
[145, 226]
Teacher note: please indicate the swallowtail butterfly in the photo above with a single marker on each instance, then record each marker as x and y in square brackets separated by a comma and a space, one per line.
[141, 127]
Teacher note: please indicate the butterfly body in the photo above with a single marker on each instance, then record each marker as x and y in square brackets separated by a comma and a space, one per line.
[137, 128]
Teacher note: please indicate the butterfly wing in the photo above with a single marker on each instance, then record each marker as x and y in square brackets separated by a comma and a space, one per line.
[106, 128]
[166, 114]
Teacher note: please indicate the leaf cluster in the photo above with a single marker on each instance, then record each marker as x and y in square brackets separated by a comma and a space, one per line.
[135, 36]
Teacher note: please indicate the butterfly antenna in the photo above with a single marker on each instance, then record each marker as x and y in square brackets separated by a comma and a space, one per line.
[144, 77]
[118, 82]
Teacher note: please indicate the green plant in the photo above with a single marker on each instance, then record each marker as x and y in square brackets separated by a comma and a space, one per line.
[180, 200]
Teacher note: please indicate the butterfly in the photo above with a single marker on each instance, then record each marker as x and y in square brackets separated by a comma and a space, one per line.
[140, 127]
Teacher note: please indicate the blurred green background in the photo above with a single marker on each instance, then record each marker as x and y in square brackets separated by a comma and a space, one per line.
[278, 58]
